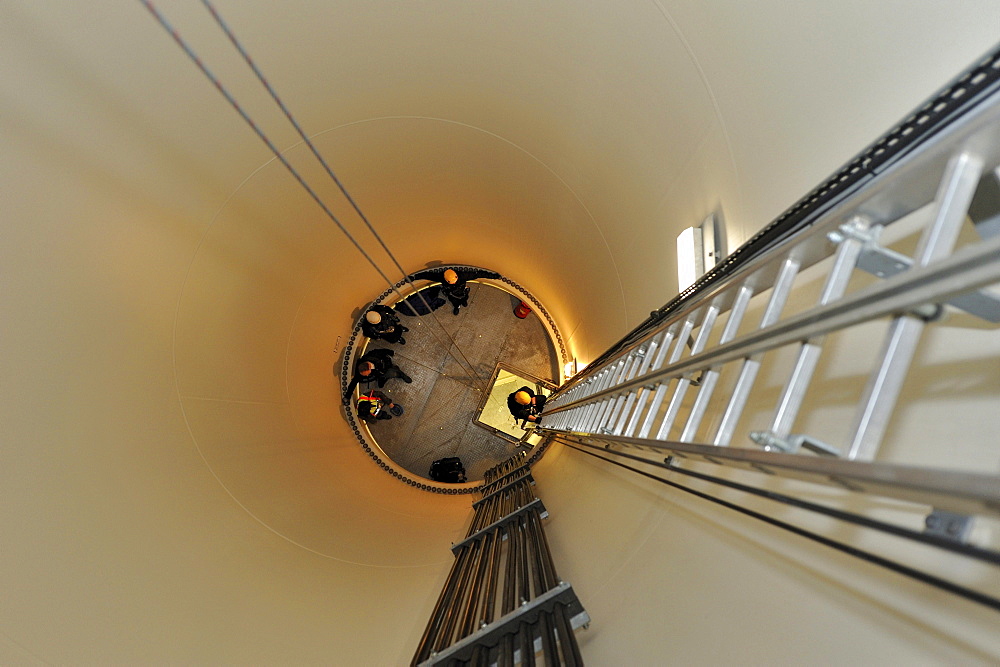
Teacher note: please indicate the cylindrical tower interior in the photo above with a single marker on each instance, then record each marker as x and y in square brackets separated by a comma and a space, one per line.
[177, 481]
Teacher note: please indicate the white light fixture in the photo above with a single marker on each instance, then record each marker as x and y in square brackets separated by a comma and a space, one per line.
[690, 257]
[699, 249]
[572, 368]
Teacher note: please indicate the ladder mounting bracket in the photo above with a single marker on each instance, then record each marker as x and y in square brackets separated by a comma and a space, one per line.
[793, 443]
[949, 525]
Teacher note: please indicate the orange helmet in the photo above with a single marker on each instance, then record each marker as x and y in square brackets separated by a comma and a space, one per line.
[523, 397]
[450, 277]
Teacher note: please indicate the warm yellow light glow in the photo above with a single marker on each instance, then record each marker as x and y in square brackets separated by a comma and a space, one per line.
[572, 368]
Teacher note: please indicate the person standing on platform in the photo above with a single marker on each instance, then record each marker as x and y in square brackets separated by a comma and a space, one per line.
[382, 323]
[454, 283]
[525, 404]
[375, 406]
[375, 366]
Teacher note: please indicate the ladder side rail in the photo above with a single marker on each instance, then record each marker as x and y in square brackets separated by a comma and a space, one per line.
[794, 391]
[646, 391]
[683, 382]
[899, 190]
[761, 276]
[711, 376]
[663, 385]
[751, 365]
[642, 357]
[900, 153]
[590, 425]
[954, 196]
[968, 269]
[623, 399]
[607, 405]
[604, 383]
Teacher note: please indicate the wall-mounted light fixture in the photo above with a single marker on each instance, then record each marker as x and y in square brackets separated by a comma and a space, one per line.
[699, 249]
[573, 367]
[690, 257]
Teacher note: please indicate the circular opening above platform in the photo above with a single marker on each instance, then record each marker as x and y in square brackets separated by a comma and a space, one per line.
[462, 368]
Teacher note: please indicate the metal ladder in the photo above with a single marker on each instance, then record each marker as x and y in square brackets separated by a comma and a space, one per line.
[636, 397]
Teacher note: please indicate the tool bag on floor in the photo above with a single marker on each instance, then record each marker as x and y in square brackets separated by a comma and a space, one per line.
[448, 470]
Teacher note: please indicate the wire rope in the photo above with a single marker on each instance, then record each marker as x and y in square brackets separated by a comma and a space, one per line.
[953, 546]
[189, 51]
[343, 190]
[899, 568]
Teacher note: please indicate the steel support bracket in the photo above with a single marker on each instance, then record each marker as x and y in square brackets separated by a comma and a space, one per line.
[793, 443]
[858, 229]
[949, 525]
[884, 263]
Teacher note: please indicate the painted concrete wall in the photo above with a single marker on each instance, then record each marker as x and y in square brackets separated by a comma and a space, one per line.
[177, 483]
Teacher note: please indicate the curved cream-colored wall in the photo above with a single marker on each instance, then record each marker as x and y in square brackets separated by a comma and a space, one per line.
[177, 483]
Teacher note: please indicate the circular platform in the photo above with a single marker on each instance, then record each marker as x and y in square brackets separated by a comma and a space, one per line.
[455, 361]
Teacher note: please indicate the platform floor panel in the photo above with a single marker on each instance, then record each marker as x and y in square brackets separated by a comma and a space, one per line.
[441, 403]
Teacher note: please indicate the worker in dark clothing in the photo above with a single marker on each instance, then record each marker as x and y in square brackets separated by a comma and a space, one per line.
[453, 282]
[382, 323]
[375, 366]
[375, 406]
[526, 404]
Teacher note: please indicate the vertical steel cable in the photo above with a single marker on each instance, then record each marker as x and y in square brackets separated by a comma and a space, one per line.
[537, 586]
[525, 555]
[919, 575]
[467, 600]
[543, 579]
[489, 603]
[544, 542]
[506, 655]
[443, 638]
[291, 119]
[548, 639]
[477, 655]
[434, 623]
[526, 635]
[470, 615]
[161, 19]
[508, 583]
[570, 649]
[260, 133]
[514, 540]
